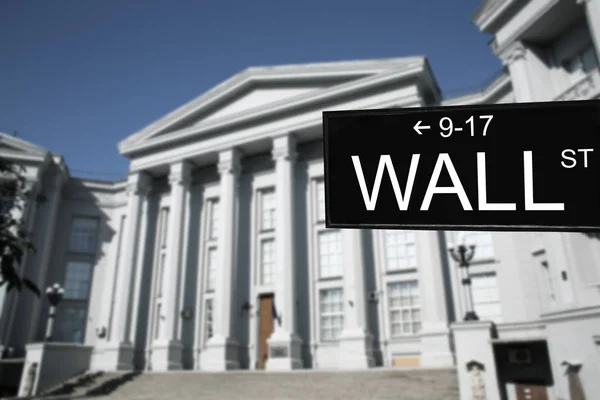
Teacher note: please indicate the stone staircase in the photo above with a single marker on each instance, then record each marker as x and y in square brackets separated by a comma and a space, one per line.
[414, 384]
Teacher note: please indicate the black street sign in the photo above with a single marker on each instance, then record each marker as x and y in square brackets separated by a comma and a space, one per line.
[528, 166]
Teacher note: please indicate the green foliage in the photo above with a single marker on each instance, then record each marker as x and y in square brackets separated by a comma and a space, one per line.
[14, 239]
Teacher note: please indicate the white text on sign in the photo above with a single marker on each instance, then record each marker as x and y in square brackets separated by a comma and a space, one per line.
[444, 161]
[448, 127]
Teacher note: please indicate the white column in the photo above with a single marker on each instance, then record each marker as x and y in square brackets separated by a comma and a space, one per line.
[166, 350]
[435, 333]
[513, 57]
[107, 308]
[118, 353]
[592, 11]
[53, 197]
[355, 341]
[139, 274]
[284, 344]
[221, 348]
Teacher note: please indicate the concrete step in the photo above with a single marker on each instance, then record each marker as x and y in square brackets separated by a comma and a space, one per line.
[416, 384]
[88, 384]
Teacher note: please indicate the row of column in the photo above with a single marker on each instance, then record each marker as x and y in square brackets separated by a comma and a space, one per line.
[221, 352]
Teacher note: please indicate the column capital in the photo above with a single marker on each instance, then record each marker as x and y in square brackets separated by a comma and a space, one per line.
[284, 148]
[138, 184]
[229, 161]
[180, 173]
[511, 53]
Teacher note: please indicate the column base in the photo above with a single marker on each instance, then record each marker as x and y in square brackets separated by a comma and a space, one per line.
[166, 356]
[436, 350]
[284, 351]
[356, 349]
[112, 357]
[220, 354]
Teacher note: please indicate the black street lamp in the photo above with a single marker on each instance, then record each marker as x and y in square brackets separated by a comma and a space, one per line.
[55, 294]
[463, 256]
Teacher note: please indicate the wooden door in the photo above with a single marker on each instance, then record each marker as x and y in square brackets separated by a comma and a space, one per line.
[265, 328]
[527, 391]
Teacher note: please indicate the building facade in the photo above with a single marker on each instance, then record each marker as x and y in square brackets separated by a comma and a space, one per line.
[213, 253]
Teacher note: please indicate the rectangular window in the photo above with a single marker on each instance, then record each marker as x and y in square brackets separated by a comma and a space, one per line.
[486, 299]
[331, 311]
[320, 189]
[581, 64]
[161, 274]
[71, 322]
[330, 254]
[211, 268]
[157, 321]
[164, 226]
[400, 250]
[404, 308]
[214, 219]
[549, 281]
[267, 208]
[77, 280]
[84, 234]
[267, 261]
[208, 320]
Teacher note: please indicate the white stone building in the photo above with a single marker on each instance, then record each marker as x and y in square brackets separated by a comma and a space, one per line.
[221, 220]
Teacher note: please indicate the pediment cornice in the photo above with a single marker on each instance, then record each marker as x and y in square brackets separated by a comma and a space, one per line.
[351, 73]
[385, 73]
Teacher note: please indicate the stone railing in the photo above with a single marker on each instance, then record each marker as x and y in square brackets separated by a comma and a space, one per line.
[585, 89]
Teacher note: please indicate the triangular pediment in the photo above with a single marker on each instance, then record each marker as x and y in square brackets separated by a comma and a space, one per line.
[16, 149]
[258, 95]
[260, 89]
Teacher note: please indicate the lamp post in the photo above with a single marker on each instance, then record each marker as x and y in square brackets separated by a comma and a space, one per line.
[55, 294]
[463, 256]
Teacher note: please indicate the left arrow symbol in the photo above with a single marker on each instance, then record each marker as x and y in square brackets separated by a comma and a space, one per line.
[418, 127]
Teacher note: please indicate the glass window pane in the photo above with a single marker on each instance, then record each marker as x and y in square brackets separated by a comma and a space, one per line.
[164, 226]
[404, 308]
[400, 250]
[330, 254]
[211, 268]
[331, 311]
[208, 320]
[267, 261]
[84, 235]
[214, 219]
[486, 298]
[71, 322]
[77, 280]
[268, 207]
[320, 189]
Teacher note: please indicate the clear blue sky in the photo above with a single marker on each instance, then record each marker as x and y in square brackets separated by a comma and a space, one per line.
[78, 76]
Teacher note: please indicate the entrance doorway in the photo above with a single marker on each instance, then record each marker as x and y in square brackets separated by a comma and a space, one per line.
[526, 391]
[265, 328]
[525, 365]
